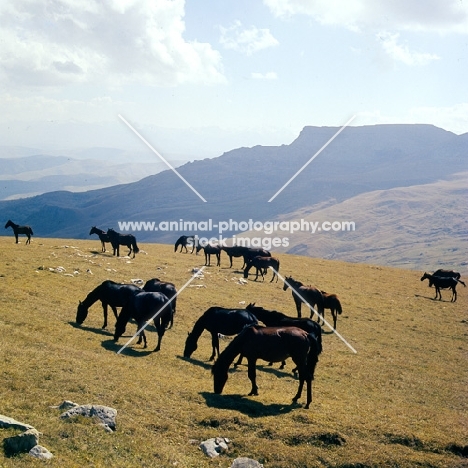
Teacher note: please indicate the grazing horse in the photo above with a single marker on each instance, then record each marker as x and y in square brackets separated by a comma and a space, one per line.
[110, 294]
[183, 241]
[168, 289]
[117, 239]
[17, 229]
[273, 318]
[142, 307]
[440, 282]
[261, 264]
[272, 344]
[218, 320]
[210, 250]
[251, 253]
[235, 251]
[102, 236]
[331, 301]
[308, 294]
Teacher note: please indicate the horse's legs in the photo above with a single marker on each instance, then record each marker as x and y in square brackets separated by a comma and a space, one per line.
[16, 237]
[239, 361]
[161, 328]
[28, 241]
[103, 246]
[454, 294]
[334, 314]
[230, 260]
[104, 310]
[252, 373]
[298, 306]
[218, 256]
[214, 344]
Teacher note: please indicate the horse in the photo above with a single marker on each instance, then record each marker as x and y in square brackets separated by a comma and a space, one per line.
[102, 236]
[168, 289]
[234, 251]
[272, 344]
[211, 250]
[218, 320]
[17, 229]
[183, 241]
[332, 302]
[142, 307]
[117, 239]
[110, 294]
[261, 264]
[308, 294]
[440, 282]
[273, 318]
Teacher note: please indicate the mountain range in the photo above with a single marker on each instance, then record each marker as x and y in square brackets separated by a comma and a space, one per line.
[354, 174]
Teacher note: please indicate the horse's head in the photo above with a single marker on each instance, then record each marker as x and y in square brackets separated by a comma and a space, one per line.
[250, 307]
[198, 248]
[8, 224]
[287, 282]
[81, 313]
[220, 376]
[190, 346]
[93, 230]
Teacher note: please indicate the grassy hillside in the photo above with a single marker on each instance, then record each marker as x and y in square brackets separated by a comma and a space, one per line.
[400, 401]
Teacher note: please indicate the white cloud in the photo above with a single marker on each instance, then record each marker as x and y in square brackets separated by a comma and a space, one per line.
[113, 42]
[443, 16]
[246, 40]
[264, 76]
[401, 53]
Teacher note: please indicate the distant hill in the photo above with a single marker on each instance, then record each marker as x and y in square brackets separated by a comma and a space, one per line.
[239, 183]
[418, 227]
[24, 172]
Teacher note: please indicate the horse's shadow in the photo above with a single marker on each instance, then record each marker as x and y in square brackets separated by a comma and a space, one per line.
[111, 345]
[97, 331]
[247, 406]
[205, 364]
[431, 298]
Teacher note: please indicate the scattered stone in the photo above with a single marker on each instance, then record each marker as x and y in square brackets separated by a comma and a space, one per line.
[244, 462]
[66, 404]
[10, 423]
[105, 414]
[213, 447]
[21, 443]
[137, 281]
[38, 451]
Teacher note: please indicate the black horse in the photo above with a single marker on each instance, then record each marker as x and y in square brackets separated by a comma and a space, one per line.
[142, 307]
[261, 264]
[272, 344]
[447, 274]
[440, 282]
[117, 239]
[102, 236]
[168, 289]
[218, 320]
[211, 250]
[250, 253]
[110, 294]
[17, 229]
[183, 241]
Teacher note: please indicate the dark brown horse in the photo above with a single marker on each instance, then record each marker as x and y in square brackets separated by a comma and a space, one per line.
[332, 302]
[168, 289]
[110, 294]
[103, 237]
[211, 250]
[218, 320]
[142, 307]
[183, 241]
[272, 344]
[273, 318]
[308, 294]
[440, 282]
[117, 239]
[17, 229]
[261, 264]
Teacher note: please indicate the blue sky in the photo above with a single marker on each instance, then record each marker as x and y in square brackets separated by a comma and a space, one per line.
[200, 77]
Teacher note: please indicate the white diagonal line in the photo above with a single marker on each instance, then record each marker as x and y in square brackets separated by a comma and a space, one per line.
[312, 158]
[161, 158]
[195, 275]
[305, 302]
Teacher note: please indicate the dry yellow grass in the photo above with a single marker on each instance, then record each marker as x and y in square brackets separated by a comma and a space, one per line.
[400, 401]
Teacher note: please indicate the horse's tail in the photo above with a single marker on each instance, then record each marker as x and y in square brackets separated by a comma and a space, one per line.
[315, 341]
[31, 232]
[338, 306]
[135, 246]
[460, 281]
